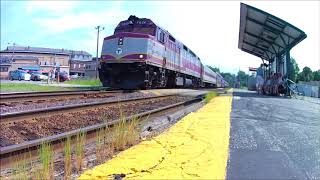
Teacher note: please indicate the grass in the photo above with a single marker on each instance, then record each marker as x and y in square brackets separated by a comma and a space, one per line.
[210, 96]
[79, 151]
[104, 145]
[132, 133]
[46, 159]
[21, 170]
[19, 87]
[67, 158]
[87, 82]
[126, 133]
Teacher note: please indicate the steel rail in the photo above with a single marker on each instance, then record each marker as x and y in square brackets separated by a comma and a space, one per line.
[59, 138]
[10, 97]
[14, 116]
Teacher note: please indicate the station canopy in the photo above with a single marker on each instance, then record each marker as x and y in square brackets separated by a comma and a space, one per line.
[264, 35]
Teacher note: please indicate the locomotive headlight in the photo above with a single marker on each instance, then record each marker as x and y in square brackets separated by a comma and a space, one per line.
[141, 56]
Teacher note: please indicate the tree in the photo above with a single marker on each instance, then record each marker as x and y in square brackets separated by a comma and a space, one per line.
[230, 78]
[243, 78]
[306, 74]
[316, 75]
[294, 70]
[215, 69]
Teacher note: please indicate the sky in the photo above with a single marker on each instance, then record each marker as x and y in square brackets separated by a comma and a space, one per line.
[208, 28]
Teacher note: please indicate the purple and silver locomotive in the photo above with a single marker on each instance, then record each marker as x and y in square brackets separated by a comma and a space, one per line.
[141, 54]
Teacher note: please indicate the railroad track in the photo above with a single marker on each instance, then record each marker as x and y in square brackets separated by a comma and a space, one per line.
[58, 139]
[32, 96]
[44, 112]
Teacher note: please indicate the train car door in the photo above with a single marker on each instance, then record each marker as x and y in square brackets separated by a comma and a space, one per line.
[178, 59]
[201, 73]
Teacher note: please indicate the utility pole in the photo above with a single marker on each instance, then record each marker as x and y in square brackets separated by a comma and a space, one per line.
[97, 62]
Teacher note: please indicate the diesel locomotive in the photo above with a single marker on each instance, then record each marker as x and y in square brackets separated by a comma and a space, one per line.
[142, 55]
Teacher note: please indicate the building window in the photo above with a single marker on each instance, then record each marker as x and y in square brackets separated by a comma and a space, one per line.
[3, 69]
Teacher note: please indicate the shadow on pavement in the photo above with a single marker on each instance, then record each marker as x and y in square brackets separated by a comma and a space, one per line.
[254, 94]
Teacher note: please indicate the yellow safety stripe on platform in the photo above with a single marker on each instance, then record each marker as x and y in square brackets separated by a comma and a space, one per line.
[196, 147]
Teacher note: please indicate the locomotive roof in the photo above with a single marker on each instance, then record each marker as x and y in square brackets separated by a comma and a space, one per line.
[145, 21]
[264, 35]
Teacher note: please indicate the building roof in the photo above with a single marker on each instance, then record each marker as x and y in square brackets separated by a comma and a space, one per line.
[41, 50]
[264, 35]
[9, 59]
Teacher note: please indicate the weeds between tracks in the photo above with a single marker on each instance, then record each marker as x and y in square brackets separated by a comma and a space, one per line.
[46, 159]
[79, 152]
[108, 142]
[67, 158]
[104, 145]
[210, 96]
[21, 170]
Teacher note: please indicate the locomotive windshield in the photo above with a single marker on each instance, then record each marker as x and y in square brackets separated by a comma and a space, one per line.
[136, 25]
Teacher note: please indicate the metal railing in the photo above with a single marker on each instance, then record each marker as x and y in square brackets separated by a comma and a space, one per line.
[293, 89]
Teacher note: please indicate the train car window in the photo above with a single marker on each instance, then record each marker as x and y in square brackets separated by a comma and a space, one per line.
[172, 38]
[185, 48]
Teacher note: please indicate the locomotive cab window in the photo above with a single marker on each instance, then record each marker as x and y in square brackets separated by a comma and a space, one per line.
[161, 36]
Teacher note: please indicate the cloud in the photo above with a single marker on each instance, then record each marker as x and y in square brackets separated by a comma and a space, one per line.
[84, 19]
[51, 7]
[211, 29]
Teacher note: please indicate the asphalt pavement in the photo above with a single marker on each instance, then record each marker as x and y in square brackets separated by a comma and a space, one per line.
[273, 138]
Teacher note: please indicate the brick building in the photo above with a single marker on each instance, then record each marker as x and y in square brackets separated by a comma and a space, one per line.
[69, 61]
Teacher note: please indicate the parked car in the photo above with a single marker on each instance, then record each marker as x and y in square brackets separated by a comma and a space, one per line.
[75, 76]
[38, 76]
[19, 75]
[63, 76]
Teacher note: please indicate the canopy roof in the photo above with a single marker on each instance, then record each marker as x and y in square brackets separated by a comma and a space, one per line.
[264, 35]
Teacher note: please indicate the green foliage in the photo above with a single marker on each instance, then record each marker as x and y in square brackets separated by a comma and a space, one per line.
[21, 170]
[210, 96]
[79, 151]
[243, 78]
[126, 133]
[18, 87]
[46, 159]
[306, 74]
[316, 75]
[230, 78]
[294, 70]
[67, 158]
[86, 82]
[215, 69]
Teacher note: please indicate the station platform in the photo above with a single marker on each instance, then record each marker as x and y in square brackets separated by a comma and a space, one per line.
[274, 137]
[243, 136]
[195, 147]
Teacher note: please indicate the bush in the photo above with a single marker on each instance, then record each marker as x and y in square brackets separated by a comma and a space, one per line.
[210, 96]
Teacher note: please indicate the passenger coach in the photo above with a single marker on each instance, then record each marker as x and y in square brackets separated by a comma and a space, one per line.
[141, 54]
